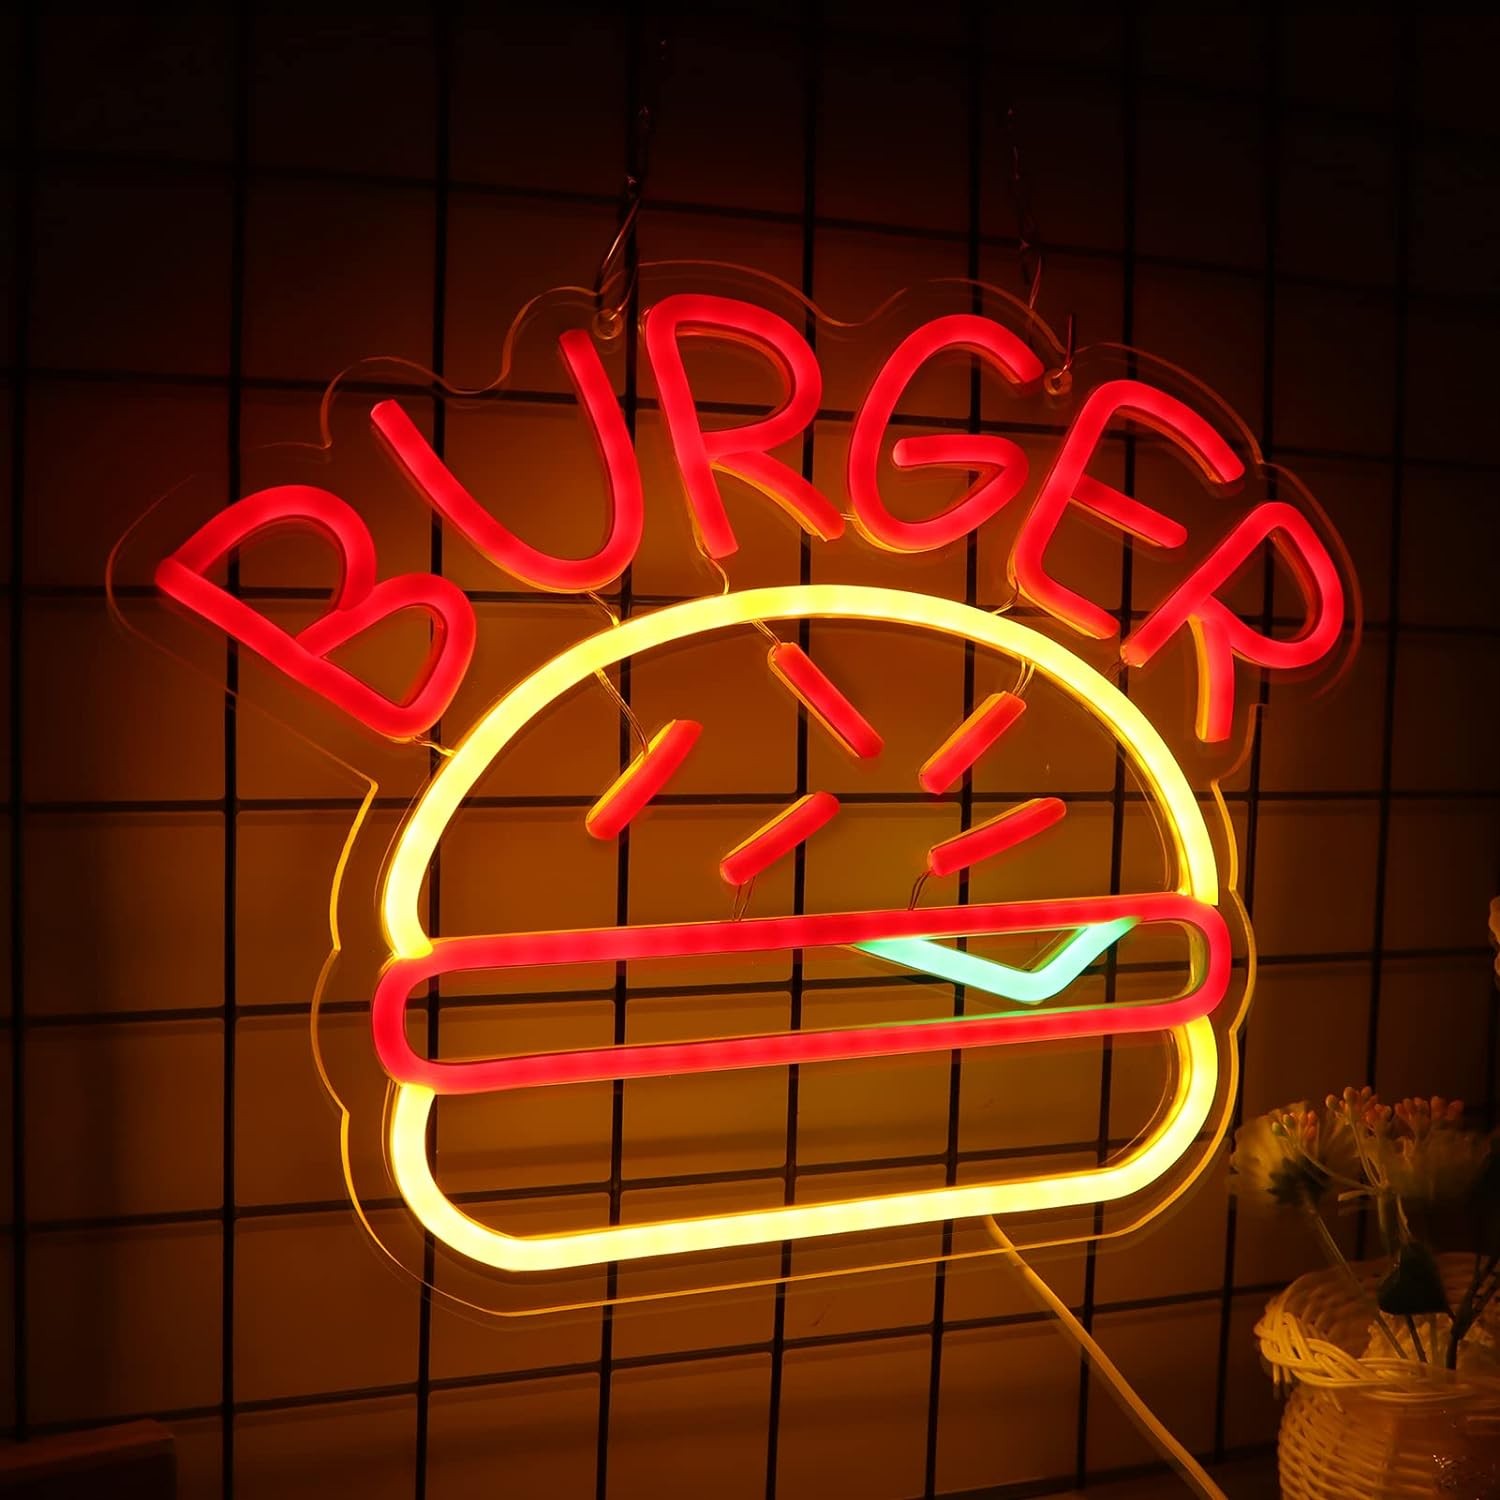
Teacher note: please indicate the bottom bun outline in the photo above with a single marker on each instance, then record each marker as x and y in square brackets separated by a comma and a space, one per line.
[1197, 1083]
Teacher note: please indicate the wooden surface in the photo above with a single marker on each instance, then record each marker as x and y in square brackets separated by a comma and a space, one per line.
[135, 1461]
[1241, 1479]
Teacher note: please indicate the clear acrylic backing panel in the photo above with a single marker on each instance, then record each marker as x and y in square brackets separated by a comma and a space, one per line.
[534, 728]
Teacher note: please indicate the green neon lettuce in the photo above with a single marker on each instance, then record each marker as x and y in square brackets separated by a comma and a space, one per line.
[1025, 986]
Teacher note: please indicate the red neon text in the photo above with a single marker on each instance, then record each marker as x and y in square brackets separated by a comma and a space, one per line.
[436, 482]
[741, 451]
[1067, 484]
[1001, 463]
[359, 603]
[1220, 635]
[744, 452]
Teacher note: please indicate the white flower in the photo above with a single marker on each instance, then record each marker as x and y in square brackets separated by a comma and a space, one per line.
[1291, 1154]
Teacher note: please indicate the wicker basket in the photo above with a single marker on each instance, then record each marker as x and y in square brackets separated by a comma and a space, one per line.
[1364, 1426]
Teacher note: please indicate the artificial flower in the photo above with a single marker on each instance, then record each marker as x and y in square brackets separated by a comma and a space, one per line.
[1292, 1154]
[1361, 1110]
[1420, 1171]
[1426, 1155]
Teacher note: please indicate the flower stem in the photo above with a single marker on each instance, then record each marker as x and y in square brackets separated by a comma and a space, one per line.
[1476, 1299]
[1336, 1257]
[1416, 1342]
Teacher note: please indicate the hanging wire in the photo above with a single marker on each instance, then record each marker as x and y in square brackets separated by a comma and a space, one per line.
[614, 287]
[1028, 238]
[1032, 253]
[609, 687]
[615, 281]
[760, 625]
[625, 708]
[1008, 604]
[713, 562]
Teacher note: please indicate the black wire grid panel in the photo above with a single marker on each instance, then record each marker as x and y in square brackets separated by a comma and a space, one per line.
[806, 44]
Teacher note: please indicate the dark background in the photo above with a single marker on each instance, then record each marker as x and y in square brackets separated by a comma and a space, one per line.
[214, 214]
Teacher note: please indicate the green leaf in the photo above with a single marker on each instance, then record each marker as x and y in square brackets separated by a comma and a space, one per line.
[1413, 1285]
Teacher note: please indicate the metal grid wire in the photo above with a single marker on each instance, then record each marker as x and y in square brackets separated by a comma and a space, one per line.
[807, 42]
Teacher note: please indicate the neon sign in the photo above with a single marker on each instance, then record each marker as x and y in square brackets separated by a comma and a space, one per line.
[744, 452]
[995, 475]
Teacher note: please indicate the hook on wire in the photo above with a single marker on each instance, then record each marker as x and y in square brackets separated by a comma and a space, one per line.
[614, 285]
[1059, 382]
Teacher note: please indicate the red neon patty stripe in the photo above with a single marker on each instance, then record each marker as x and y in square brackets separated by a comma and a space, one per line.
[996, 836]
[824, 701]
[766, 934]
[947, 764]
[782, 834]
[643, 778]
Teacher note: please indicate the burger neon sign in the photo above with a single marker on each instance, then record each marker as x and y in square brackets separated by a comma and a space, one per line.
[1026, 1002]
